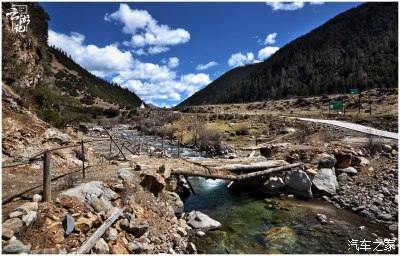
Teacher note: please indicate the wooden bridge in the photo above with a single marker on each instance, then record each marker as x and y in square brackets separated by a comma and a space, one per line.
[234, 170]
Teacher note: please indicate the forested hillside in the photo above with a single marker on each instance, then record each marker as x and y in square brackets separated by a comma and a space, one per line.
[51, 83]
[356, 49]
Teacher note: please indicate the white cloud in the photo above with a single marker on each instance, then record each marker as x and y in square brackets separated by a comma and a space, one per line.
[267, 52]
[146, 31]
[207, 66]
[100, 61]
[270, 39]
[317, 3]
[157, 49]
[238, 59]
[139, 52]
[276, 6]
[173, 62]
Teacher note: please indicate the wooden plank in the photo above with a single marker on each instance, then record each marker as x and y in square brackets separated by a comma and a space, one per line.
[267, 172]
[251, 167]
[115, 143]
[83, 159]
[85, 248]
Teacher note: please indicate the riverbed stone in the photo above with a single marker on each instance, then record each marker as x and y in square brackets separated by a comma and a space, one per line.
[325, 181]
[176, 202]
[111, 234]
[324, 160]
[274, 183]
[298, 183]
[279, 238]
[349, 170]
[15, 224]
[322, 218]
[101, 247]
[90, 192]
[343, 160]
[101, 205]
[7, 234]
[199, 220]
[124, 174]
[36, 198]
[31, 206]
[29, 218]
[15, 247]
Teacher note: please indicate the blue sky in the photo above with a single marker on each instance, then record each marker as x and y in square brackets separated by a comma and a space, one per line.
[165, 52]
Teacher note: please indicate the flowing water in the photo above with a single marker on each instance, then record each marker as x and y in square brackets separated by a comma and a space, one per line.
[254, 224]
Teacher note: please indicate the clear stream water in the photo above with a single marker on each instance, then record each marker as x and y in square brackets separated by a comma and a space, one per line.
[255, 224]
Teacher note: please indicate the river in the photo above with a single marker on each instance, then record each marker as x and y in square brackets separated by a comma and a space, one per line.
[255, 224]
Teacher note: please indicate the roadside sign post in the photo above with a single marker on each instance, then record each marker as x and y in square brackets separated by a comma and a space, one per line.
[336, 105]
[357, 91]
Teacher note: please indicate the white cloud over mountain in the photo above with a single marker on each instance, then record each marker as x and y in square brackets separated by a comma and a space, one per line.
[239, 59]
[207, 66]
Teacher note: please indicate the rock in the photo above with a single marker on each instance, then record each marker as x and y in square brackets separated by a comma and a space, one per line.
[384, 216]
[15, 247]
[7, 234]
[198, 220]
[396, 199]
[322, 218]
[101, 247]
[280, 238]
[387, 148]
[385, 191]
[55, 135]
[200, 233]
[124, 174]
[298, 183]
[101, 205]
[118, 249]
[90, 192]
[181, 231]
[137, 247]
[155, 183]
[176, 202]
[191, 248]
[342, 177]
[349, 170]
[393, 227]
[68, 224]
[111, 234]
[137, 227]
[361, 227]
[17, 214]
[48, 251]
[355, 161]
[84, 224]
[343, 160]
[59, 238]
[30, 206]
[290, 196]
[364, 161]
[325, 182]
[29, 218]
[324, 160]
[37, 198]
[274, 183]
[15, 224]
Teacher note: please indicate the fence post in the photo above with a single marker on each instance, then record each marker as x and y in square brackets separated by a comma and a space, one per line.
[140, 146]
[179, 143]
[162, 146]
[109, 160]
[83, 159]
[47, 177]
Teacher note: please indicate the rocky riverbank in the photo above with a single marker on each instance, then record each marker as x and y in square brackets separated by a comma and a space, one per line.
[152, 222]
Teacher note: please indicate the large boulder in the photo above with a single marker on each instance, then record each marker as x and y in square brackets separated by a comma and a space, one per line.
[55, 135]
[154, 182]
[124, 174]
[324, 160]
[176, 202]
[15, 224]
[201, 221]
[325, 181]
[298, 183]
[273, 185]
[343, 160]
[90, 192]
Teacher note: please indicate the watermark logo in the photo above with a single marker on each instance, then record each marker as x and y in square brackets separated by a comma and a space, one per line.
[19, 17]
[387, 245]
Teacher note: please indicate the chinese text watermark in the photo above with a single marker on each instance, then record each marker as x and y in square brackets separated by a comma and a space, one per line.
[386, 245]
[19, 17]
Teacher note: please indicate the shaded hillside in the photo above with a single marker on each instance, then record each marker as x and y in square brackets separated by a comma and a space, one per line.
[356, 49]
[52, 84]
[212, 92]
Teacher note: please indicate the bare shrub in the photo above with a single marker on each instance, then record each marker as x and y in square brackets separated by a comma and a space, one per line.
[374, 144]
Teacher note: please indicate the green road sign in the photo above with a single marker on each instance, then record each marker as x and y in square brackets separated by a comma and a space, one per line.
[335, 105]
[354, 91]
